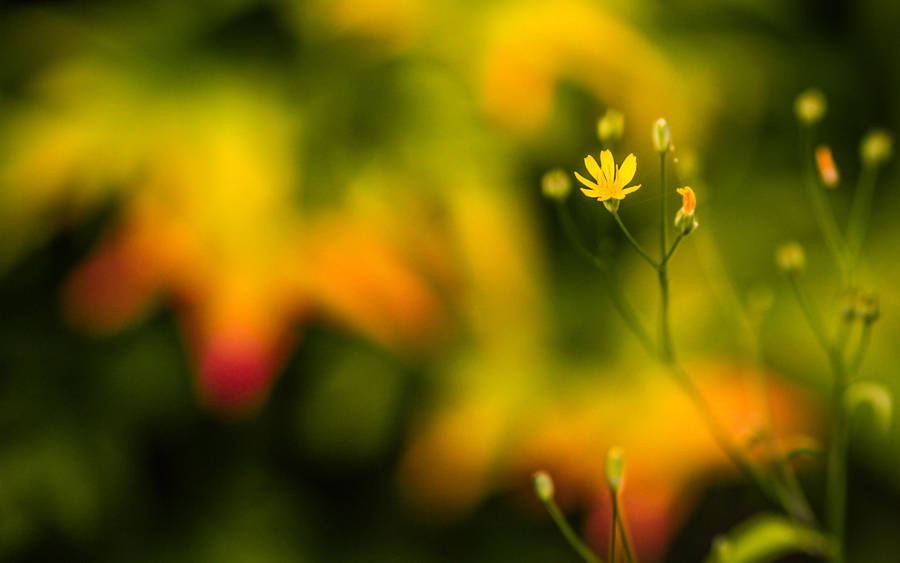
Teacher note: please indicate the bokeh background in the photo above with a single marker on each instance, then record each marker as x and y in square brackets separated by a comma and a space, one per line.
[277, 282]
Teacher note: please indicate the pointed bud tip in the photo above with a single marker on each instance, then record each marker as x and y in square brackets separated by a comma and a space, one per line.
[611, 127]
[614, 467]
[543, 486]
[662, 135]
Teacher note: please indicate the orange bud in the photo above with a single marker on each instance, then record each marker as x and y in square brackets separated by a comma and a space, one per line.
[688, 199]
[827, 169]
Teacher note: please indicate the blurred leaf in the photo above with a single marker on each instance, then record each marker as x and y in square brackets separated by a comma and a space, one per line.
[877, 396]
[766, 538]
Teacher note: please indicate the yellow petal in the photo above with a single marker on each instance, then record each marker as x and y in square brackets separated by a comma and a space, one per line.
[626, 172]
[627, 191]
[592, 167]
[590, 193]
[586, 182]
[619, 195]
[608, 165]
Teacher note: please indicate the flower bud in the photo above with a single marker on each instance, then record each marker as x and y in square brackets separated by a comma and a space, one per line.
[810, 106]
[790, 258]
[555, 184]
[684, 218]
[611, 126]
[662, 135]
[614, 468]
[685, 222]
[828, 171]
[543, 486]
[876, 147]
[867, 307]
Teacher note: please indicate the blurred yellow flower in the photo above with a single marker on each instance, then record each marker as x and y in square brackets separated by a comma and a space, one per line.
[610, 179]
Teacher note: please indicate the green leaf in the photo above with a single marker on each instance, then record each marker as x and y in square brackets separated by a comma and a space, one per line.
[766, 538]
[877, 396]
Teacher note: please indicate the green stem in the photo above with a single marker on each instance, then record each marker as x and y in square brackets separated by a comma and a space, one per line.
[623, 308]
[811, 314]
[615, 525]
[823, 214]
[579, 546]
[623, 536]
[665, 338]
[632, 240]
[860, 210]
[672, 250]
[861, 349]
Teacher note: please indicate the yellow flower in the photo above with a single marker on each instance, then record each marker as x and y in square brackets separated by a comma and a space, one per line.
[610, 179]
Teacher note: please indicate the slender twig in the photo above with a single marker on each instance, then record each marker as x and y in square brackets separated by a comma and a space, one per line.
[860, 210]
[579, 546]
[672, 249]
[623, 536]
[615, 525]
[623, 308]
[634, 242]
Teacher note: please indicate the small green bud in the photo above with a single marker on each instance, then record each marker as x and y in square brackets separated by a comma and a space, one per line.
[876, 147]
[810, 106]
[611, 126]
[615, 468]
[556, 184]
[543, 486]
[662, 135]
[612, 205]
[867, 307]
[790, 258]
[685, 222]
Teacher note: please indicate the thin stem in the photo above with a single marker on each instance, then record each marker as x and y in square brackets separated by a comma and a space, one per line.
[634, 242]
[579, 546]
[623, 308]
[615, 524]
[665, 338]
[623, 536]
[821, 210]
[860, 210]
[811, 314]
[861, 348]
[672, 250]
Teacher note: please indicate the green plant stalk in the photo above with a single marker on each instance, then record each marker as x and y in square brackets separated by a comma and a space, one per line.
[629, 316]
[634, 242]
[836, 461]
[860, 210]
[615, 525]
[665, 338]
[623, 534]
[574, 541]
[821, 210]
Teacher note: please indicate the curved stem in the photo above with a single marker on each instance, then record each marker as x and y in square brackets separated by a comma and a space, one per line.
[672, 250]
[615, 525]
[623, 536]
[623, 308]
[579, 546]
[860, 210]
[634, 242]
